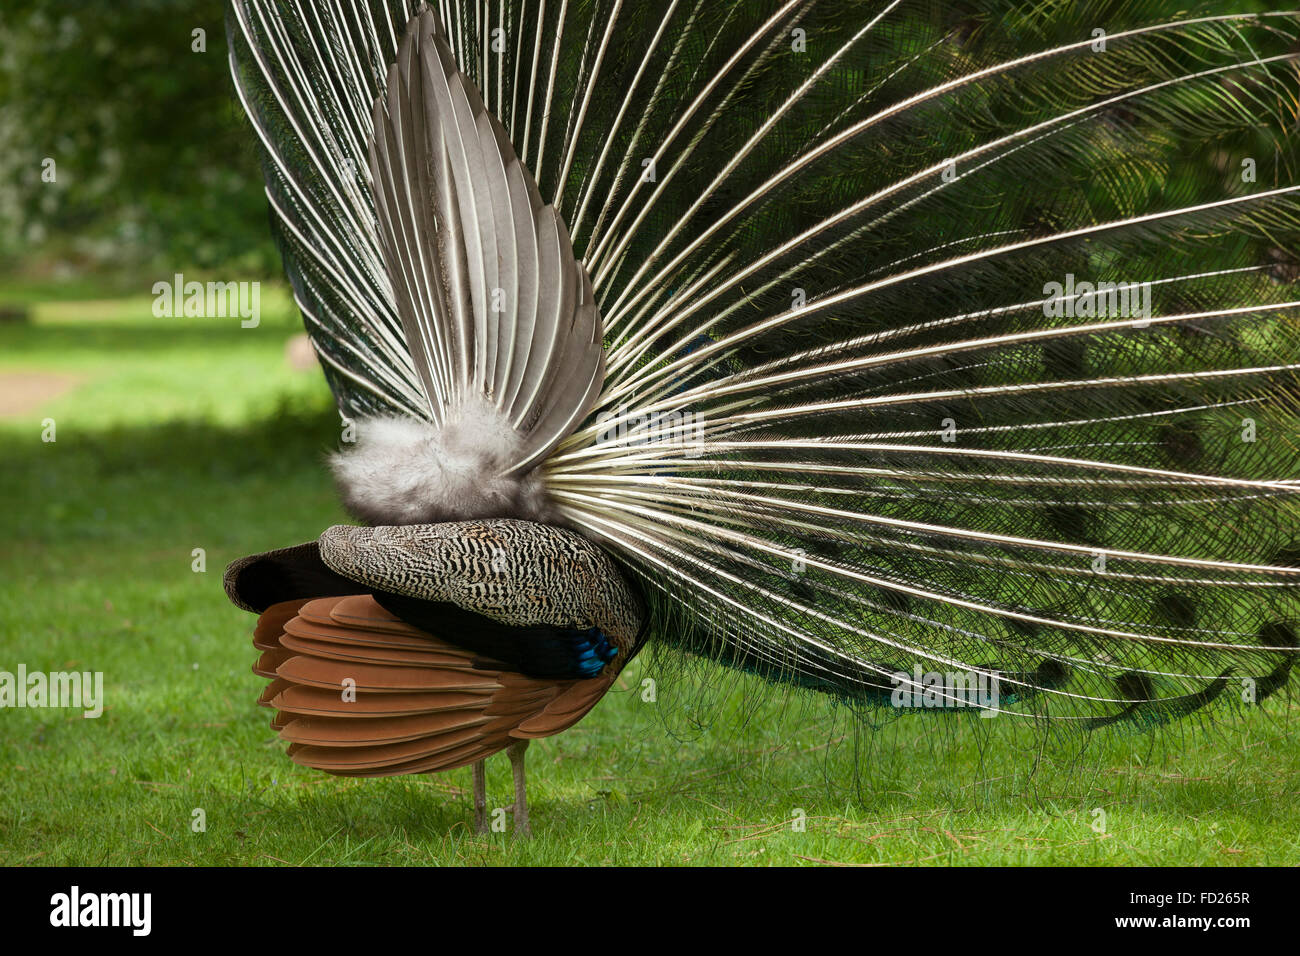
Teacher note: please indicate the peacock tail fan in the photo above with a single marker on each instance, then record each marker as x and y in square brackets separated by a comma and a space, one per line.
[950, 349]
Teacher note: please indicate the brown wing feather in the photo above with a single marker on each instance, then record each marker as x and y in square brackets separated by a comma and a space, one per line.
[565, 710]
[421, 704]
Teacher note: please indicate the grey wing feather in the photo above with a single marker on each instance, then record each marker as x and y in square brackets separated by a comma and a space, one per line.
[494, 303]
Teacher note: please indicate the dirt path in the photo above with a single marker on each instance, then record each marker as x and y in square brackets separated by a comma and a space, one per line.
[22, 392]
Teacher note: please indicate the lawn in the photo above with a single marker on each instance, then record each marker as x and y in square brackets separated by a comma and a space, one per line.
[180, 434]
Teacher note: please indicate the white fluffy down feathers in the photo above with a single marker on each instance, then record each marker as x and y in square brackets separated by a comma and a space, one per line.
[404, 471]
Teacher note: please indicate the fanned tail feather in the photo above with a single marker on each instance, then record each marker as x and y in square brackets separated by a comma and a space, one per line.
[864, 411]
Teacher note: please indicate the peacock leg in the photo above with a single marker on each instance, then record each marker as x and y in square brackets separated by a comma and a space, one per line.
[516, 753]
[480, 797]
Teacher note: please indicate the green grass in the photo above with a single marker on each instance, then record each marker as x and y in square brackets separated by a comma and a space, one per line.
[194, 433]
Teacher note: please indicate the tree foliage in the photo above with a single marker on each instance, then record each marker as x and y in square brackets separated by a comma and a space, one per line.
[153, 161]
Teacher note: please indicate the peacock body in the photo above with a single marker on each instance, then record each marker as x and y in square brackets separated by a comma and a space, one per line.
[884, 349]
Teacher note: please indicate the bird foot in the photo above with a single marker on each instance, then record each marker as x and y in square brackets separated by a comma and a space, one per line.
[522, 829]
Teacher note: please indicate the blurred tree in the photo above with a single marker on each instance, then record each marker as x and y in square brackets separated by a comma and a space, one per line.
[154, 165]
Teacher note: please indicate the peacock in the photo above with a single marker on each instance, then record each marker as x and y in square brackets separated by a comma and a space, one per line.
[883, 350]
